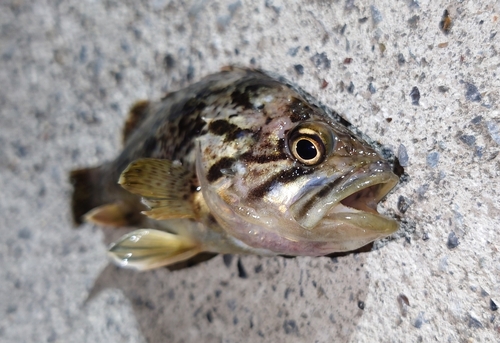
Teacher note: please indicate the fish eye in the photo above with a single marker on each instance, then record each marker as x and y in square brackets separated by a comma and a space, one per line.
[310, 143]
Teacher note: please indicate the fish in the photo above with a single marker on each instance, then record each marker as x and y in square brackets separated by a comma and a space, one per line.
[237, 163]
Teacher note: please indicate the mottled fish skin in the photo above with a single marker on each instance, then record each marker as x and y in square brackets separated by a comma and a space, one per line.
[234, 133]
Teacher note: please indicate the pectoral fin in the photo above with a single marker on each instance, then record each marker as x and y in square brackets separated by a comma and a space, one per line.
[164, 186]
[147, 249]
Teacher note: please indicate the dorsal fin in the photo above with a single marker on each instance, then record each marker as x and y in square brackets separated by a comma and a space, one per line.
[164, 186]
[137, 114]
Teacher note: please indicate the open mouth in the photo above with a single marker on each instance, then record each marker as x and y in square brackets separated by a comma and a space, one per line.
[353, 197]
[363, 200]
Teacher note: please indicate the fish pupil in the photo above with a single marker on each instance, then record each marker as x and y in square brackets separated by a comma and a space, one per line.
[306, 149]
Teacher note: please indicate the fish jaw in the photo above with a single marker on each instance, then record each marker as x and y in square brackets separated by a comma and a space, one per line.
[356, 192]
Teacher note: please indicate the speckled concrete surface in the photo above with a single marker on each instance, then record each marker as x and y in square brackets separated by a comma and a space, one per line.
[69, 71]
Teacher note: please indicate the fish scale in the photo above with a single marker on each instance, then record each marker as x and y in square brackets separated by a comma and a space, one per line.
[236, 163]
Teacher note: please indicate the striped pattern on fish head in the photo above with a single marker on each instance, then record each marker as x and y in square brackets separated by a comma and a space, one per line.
[278, 174]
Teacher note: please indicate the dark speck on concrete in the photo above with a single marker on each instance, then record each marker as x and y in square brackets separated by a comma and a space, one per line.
[88, 118]
[169, 62]
[241, 270]
[227, 258]
[307, 49]
[362, 20]
[413, 4]
[403, 303]
[269, 4]
[468, 139]
[494, 131]
[371, 88]
[403, 204]
[231, 304]
[11, 309]
[233, 7]
[443, 89]
[258, 268]
[83, 54]
[403, 156]
[252, 61]
[332, 318]
[433, 159]
[479, 150]
[452, 241]
[210, 317]
[299, 68]
[422, 190]
[401, 59]
[413, 22]
[21, 150]
[376, 15]
[290, 327]
[190, 73]
[415, 96]
[493, 305]
[474, 323]
[445, 23]
[342, 30]
[425, 236]
[476, 120]
[321, 61]
[361, 305]
[171, 294]
[472, 93]
[419, 321]
[350, 88]
[24, 233]
[293, 51]
[349, 5]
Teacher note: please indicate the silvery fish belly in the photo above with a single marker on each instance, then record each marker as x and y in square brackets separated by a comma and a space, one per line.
[236, 163]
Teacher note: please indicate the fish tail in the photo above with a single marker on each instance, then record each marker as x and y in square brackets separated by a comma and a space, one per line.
[84, 196]
[97, 198]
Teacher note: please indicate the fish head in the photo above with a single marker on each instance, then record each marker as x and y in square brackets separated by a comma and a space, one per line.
[294, 180]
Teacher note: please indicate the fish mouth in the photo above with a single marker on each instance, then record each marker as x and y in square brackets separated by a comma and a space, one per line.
[346, 205]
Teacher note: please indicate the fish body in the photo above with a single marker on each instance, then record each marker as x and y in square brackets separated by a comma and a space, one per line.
[236, 163]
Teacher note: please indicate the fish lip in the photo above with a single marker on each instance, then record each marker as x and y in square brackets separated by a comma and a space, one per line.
[372, 182]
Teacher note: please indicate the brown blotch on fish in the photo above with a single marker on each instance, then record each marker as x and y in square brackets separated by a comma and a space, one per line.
[299, 111]
[241, 99]
[283, 177]
[215, 171]
[222, 127]
[278, 154]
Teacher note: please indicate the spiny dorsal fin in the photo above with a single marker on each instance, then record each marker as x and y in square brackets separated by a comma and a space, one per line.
[147, 249]
[164, 186]
[138, 112]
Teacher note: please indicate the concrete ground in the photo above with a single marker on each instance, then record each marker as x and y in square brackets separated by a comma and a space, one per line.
[69, 70]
